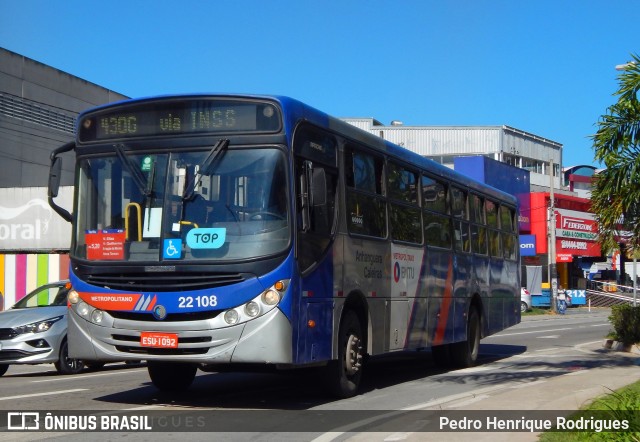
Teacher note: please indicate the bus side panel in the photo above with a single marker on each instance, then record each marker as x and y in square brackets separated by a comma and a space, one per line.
[366, 273]
[315, 318]
[462, 295]
[439, 290]
[406, 266]
[481, 269]
[498, 275]
[512, 301]
[419, 321]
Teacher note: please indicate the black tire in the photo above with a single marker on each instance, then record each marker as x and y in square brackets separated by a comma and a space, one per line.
[465, 354]
[344, 375]
[171, 376]
[441, 355]
[523, 307]
[65, 364]
[3, 369]
[94, 365]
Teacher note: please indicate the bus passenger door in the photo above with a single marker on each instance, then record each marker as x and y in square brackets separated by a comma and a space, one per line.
[316, 178]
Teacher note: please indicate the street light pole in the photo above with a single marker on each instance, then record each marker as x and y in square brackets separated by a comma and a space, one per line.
[553, 278]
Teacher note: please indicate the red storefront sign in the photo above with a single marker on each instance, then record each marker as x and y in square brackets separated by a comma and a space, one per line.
[576, 234]
[564, 258]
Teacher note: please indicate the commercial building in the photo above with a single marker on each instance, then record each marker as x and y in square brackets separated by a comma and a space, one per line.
[38, 107]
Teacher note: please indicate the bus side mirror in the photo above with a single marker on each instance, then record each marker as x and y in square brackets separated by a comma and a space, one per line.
[54, 176]
[305, 196]
[55, 172]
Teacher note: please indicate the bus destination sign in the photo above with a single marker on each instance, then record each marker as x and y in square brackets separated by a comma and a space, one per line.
[178, 117]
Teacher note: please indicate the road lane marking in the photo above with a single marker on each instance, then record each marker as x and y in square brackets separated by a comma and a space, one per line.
[76, 377]
[536, 331]
[499, 335]
[48, 393]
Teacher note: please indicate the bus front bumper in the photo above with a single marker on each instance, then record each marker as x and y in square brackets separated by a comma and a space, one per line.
[265, 339]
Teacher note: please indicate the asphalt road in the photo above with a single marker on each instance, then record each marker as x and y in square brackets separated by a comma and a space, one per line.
[539, 348]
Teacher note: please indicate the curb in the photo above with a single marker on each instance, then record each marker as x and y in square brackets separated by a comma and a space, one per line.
[610, 344]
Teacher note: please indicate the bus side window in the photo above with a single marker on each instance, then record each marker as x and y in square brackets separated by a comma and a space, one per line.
[366, 211]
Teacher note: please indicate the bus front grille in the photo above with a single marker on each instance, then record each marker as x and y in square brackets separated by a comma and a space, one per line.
[161, 351]
[164, 282]
[171, 317]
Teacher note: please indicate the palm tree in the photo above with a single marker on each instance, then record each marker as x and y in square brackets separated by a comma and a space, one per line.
[615, 196]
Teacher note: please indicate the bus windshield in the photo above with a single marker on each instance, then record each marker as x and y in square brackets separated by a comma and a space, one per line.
[186, 205]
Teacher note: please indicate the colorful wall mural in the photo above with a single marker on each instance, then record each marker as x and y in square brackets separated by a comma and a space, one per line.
[20, 273]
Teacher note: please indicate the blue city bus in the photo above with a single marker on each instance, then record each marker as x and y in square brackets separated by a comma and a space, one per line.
[244, 231]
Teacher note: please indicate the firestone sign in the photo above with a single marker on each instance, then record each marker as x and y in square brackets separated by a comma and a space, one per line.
[576, 234]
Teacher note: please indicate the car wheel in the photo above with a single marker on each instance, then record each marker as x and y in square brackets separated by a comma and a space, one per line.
[523, 306]
[3, 369]
[67, 365]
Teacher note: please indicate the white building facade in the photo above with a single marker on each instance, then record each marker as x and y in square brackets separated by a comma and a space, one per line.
[502, 143]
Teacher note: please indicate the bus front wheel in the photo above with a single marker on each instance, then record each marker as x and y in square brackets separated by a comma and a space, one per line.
[345, 374]
[170, 376]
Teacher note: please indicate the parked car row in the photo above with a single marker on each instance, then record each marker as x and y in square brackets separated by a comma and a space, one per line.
[34, 331]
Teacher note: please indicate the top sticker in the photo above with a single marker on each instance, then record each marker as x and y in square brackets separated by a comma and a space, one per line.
[206, 238]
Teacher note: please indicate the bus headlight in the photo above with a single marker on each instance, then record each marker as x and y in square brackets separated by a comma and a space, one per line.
[97, 316]
[261, 304]
[271, 297]
[231, 317]
[83, 309]
[252, 309]
[73, 297]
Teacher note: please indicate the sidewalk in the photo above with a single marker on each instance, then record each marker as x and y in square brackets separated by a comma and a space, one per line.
[568, 390]
[561, 387]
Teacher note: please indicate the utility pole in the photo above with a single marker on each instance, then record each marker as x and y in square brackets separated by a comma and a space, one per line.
[553, 276]
[635, 284]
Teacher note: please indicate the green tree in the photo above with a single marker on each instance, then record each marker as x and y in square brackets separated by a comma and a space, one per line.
[615, 196]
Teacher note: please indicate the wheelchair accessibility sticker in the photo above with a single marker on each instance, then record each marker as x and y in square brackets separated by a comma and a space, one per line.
[172, 249]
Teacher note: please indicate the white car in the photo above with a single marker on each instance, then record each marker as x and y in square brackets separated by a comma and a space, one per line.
[525, 300]
[34, 330]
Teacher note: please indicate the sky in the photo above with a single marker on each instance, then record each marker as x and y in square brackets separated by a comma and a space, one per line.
[546, 67]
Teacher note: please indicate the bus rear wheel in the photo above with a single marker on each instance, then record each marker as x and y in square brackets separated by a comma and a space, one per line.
[171, 376]
[345, 374]
[441, 355]
[465, 354]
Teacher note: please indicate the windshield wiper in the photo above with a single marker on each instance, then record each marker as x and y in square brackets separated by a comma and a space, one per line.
[205, 169]
[135, 173]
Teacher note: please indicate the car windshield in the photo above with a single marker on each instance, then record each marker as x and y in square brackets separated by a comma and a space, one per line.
[183, 206]
[45, 296]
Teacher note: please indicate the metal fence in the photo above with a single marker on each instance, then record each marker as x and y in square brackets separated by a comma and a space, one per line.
[606, 294]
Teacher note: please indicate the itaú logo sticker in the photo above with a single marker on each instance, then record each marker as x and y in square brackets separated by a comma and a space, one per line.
[206, 238]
